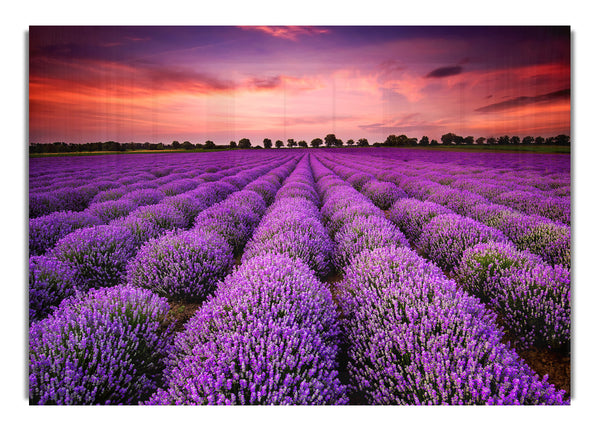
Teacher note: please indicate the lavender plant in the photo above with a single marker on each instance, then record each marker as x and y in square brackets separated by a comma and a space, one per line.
[50, 281]
[268, 336]
[414, 338]
[447, 236]
[99, 254]
[105, 347]
[184, 265]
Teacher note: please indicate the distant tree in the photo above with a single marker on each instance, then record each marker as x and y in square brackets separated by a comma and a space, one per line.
[175, 145]
[562, 140]
[469, 140]
[187, 145]
[362, 142]
[527, 140]
[302, 144]
[278, 143]
[350, 142]
[339, 143]
[503, 140]
[515, 140]
[424, 141]
[391, 141]
[267, 143]
[198, 145]
[232, 144]
[491, 141]
[209, 145]
[458, 140]
[412, 142]
[330, 140]
[539, 140]
[434, 142]
[315, 143]
[448, 138]
[160, 146]
[480, 140]
[245, 143]
[291, 143]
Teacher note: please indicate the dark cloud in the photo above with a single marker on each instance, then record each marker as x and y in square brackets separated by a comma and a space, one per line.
[265, 83]
[518, 102]
[443, 72]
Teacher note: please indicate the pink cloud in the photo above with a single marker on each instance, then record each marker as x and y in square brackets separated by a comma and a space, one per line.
[289, 32]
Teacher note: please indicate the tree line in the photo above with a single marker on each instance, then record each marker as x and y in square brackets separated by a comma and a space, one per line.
[330, 141]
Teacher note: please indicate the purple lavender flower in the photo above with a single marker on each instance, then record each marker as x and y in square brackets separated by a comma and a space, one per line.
[142, 197]
[414, 338]
[99, 254]
[232, 220]
[551, 241]
[536, 303]
[359, 179]
[43, 203]
[151, 221]
[45, 231]
[109, 195]
[411, 215]
[364, 233]
[50, 281]
[176, 187]
[447, 236]
[268, 336]
[107, 347]
[111, 210]
[483, 266]
[187, 205]
[184, 265]
[301, 238]
[382, 193]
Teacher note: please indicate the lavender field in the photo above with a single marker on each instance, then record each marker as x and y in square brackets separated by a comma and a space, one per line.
[347, 276]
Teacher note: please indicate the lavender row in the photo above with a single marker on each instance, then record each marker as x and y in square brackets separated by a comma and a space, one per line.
[542, 236]
[293, 225]
[415, 338]
[385, 368]
[99, 256]
[75, 191]
[269, 334]
[136, 352]
[46, 230]
[537, 310]
[527, 199]
[186, 265]
[354, 223]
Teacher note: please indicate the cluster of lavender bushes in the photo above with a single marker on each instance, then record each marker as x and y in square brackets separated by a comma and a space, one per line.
[116, 237]
[443, 222]
[108, 346]
[413, 336]
[269, 334]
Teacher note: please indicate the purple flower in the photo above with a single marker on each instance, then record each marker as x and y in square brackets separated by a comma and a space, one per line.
[415, 338]
[268, 336]
[105, 347]
[185, 265]
[99, 254]
[45, 231]
[447, 236]
[411, 215]
[382, 193]
[50, 281]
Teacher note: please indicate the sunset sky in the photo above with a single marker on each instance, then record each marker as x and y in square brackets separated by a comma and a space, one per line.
[160, 84]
